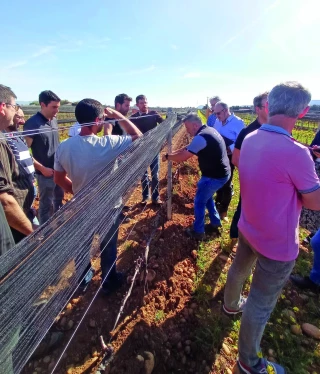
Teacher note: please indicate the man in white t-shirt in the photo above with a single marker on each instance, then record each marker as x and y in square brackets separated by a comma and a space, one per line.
[80, 158]
[74, 130]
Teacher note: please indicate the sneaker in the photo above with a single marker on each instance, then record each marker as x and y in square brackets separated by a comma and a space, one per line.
[86, 280]
[262, 367]
[304, 283]
[195, 235]
[231, 312]
[113, 284]
[145, 200]
[157, 201]
[212, 229]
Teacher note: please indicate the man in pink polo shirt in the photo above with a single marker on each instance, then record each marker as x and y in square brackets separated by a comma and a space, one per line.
[275, 183]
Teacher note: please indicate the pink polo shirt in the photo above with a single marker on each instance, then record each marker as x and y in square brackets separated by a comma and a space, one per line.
[274, 169]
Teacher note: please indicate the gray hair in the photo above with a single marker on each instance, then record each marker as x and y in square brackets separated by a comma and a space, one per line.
[224, 105]
[193, 117]
[289, 99]
[216, 98]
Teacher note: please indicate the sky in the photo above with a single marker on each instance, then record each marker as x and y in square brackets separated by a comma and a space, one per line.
[177, 53]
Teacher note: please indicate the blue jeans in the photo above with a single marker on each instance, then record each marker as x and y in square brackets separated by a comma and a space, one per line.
[315, 272]
[49, 194]
[206, 188]
[268, 280]
[155, 164]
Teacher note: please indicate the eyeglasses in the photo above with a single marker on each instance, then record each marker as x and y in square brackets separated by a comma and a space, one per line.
[15, 107]
[218, 113]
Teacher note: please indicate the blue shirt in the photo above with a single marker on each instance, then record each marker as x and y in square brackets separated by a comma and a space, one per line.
[211, 120]
[231, 129]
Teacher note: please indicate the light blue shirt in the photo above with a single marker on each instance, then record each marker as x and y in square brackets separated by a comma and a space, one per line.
[230, 129]
[211, 120]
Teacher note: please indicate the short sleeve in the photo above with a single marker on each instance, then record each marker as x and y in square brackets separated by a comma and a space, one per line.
[302, 172]
[240, 139]
[120, 143]
[5, 169]
[198, 143]
[57, 165]
[30, 129]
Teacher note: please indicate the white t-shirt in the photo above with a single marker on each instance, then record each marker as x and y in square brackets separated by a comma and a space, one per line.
[74, 129]
[83, 157]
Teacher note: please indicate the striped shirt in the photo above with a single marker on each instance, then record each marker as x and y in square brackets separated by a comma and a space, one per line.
[21, 153]
[14, 179]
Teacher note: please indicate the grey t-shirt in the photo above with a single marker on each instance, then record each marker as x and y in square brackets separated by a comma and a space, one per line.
[83, 157]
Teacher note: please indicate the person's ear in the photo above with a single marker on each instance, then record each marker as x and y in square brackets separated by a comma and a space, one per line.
[305, 111]
[2, 112]
[267, 107]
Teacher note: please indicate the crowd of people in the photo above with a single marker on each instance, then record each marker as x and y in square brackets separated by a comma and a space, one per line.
[277, 177]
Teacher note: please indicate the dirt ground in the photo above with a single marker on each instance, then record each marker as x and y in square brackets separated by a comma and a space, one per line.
[172, 326]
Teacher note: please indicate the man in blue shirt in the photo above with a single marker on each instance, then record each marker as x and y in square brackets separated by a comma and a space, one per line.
[212, 117]
[228, 126]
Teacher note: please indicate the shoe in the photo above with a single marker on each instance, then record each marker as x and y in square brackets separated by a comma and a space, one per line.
[304, 283]
[112, 284]
[157, 202]
[231, 312]
[262, 367]
[212, 229]
[86, 280]
[307, 240]
[195, 235]
[145, 200]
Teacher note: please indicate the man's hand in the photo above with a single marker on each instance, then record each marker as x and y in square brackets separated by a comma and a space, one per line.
[47, 172]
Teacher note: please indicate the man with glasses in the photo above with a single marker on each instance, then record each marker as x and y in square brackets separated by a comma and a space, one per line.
[229, 126]
[16, 188]
[259, 103]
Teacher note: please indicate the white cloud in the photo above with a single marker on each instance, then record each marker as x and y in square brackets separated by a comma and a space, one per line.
[173, 46]
[126, 38]
[43, 51]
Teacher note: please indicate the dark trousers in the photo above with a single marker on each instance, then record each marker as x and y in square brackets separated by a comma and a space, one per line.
[108, 246]
[235, 220]
[224, 194]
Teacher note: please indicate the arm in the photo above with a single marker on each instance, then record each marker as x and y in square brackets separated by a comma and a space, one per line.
[60, 178]
[46, 172]
[178, 156]
[311, 200]
[235, 157]
[15, 215]
[126, 124]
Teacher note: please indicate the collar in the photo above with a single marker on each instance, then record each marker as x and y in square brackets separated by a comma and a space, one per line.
[143, 114]
[277, 129]
[229, 119]
[201, 128]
